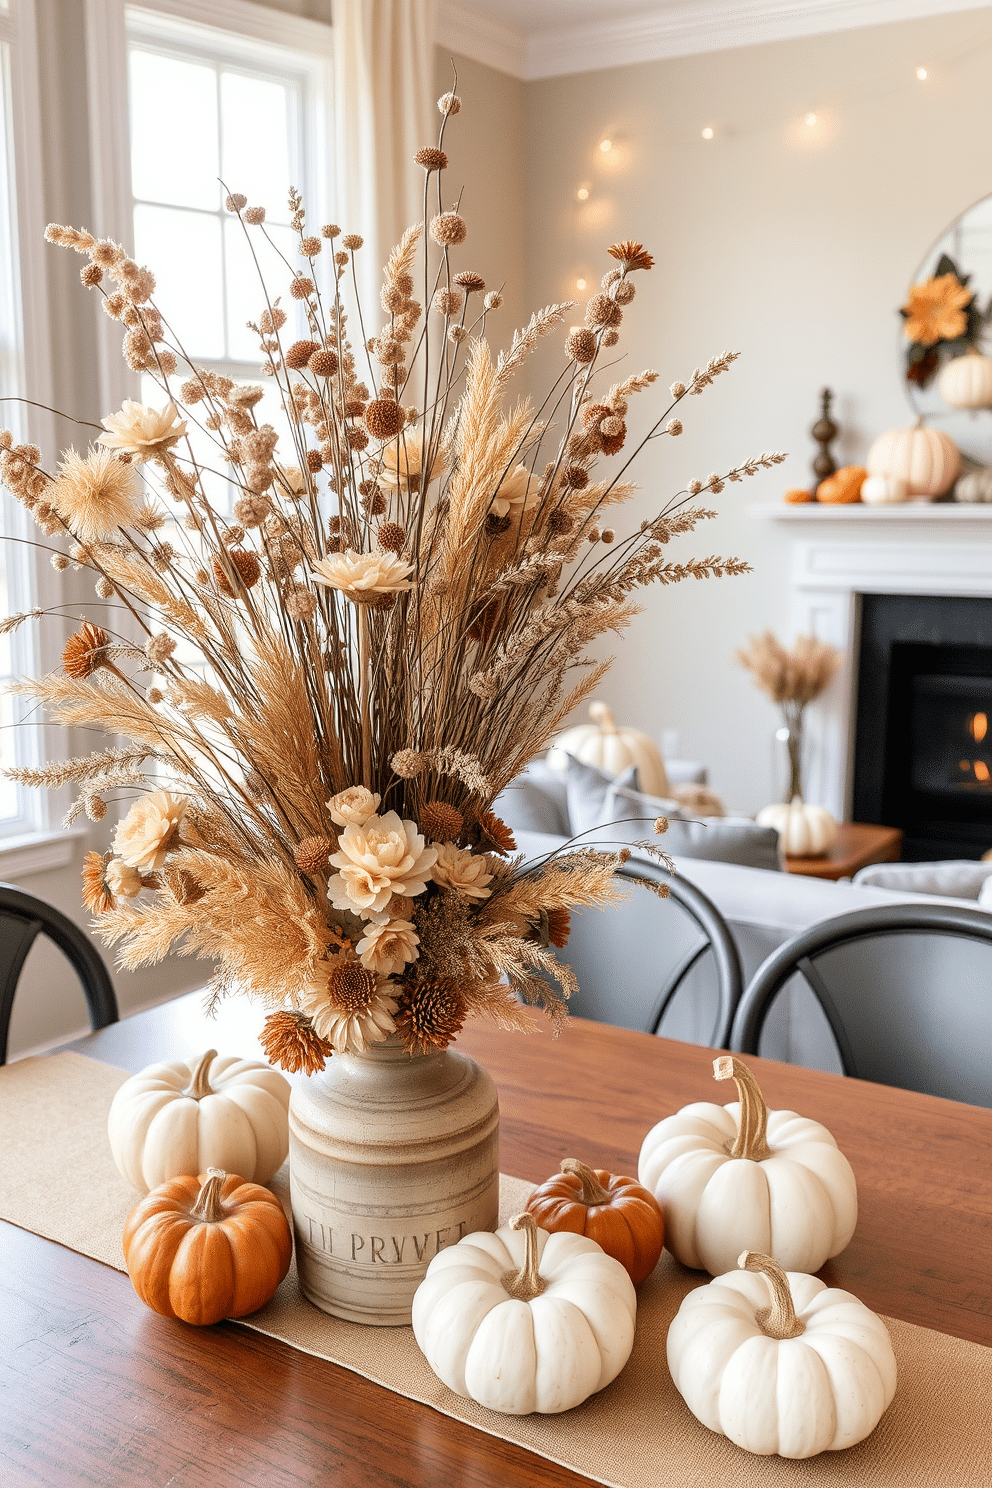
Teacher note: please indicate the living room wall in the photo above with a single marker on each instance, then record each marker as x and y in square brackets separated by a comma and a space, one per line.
[793, 244]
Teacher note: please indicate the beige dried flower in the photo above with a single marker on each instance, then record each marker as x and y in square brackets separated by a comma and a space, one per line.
[143, 432]
[255, 216]
[447, 301]
[603, 311]
[493, 300]
[580, 344]
[272, 321]
[448, 229]
[449, 103]
[797, 675]
[330, 230]
[301, 605]
[96, 494]
[235, 202]
[122, 879]
[383, 858]
[354, 1010]
[363, 577]
[457, 334]
[674, 427]
[91, 275]
[461, 871]
[301, 288]
[518, 493]
[408, 763]
[354, 806]
[150, 830]
[431, 159]
[310, 247]
[97, 897]
[352, 241]
[159, 648]
[403, 463]
[388, 947]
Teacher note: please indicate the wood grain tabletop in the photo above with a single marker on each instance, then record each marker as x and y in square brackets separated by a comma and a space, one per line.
[99, 1391]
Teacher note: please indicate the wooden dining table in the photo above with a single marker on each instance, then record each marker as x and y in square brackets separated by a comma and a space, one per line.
[96, 1389]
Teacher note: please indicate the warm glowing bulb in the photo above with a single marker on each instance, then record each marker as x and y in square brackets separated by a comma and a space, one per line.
[921, 73]
[580, 284]
[811, 120]
[583, 193]
[606, 146]
[707, 133]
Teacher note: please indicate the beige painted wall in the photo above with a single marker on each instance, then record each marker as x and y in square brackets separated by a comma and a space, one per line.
[793, 246]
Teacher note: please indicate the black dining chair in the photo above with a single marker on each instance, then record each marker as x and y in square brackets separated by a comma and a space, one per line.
[906, 990]
[632, 958]
[22, 919]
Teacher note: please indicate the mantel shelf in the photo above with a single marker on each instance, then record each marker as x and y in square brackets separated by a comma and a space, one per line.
[813, 512]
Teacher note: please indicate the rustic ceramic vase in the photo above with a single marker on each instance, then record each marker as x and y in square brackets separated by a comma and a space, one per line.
[392, 1158]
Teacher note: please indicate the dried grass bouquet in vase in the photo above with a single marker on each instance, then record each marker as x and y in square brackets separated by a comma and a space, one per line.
[793, 678]
[329, 650]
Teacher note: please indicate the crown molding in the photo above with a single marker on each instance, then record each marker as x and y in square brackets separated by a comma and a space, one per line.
[679, 30]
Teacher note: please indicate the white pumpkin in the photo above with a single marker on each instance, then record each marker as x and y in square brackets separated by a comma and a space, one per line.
[803, 831]
[966, 381]
[976, 486]
[884, 490]
[524, 1321]
[926, 459]
[607, 746]
[182, 1118]
[741, 1177]
[810, 1371]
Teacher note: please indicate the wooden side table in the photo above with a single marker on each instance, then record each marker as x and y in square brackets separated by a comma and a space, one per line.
[855, 846]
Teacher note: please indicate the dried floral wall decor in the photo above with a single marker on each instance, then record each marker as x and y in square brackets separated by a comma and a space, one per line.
[326, 680]
[941, 319]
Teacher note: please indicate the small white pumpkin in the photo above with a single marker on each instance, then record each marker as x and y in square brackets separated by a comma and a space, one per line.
[182, 1118]
[524, 1321]
[741, 1177]
[884, 490]
[811, 1372]
[974, 487]
[609, 747]
[966, 381]
[926, 459]
[803, 831]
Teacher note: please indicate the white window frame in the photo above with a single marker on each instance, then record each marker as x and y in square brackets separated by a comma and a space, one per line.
[33, 841]
[232, 32]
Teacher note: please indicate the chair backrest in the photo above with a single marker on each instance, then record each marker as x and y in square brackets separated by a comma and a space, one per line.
[906, 989]
[22, 919]
[632, 958]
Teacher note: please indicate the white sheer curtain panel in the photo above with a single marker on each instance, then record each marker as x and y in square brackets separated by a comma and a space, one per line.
[384, 113]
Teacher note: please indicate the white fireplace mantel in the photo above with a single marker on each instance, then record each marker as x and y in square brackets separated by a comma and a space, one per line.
[833, 564]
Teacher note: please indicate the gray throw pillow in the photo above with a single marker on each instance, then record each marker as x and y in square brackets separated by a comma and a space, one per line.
[535, 801]
[594, 799]
[955, 878]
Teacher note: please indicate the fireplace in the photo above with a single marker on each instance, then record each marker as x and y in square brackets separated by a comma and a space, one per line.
[923, 722]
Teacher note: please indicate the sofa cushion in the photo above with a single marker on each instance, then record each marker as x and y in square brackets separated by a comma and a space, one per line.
[535, 801]
[955, 878]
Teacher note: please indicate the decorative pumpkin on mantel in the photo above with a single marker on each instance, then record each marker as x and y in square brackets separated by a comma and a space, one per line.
[926, 459]
[610, 747]
[780, 1363]
[803, 831]
[181, 1118]
[741, 1177]
[572, 1336]
[207, 1248]
[843, 487]
[618, 1213]
[966, 381]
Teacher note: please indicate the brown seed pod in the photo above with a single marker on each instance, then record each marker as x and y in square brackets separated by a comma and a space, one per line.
[301, 288]
[246, 567]
[431, 159]
[440, 822]
[580, 344]
[603, 311]
[313, 854]
[449, 228]
[323, 362]
[470, 283]
[391, 537]
[429, 1016]
[577, 477]
[315, 461]
[383, 418]
[299, 354]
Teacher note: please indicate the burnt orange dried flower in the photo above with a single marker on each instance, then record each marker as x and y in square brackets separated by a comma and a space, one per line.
[301, 288]
[594, 413]
[580, 344]
[559, 927]
[497, 833]
[85, 651]
[352, 986]
[315, 461]
[323, 363]
[300, 353]
[312, 854]
[97, 898]
[470, 283]
[631, 255]
[391, 537]
[291, 1041]
[429, 1016]
[449, 228]
[440, 822]
[383, 418]
[246, 567]
[431, 159]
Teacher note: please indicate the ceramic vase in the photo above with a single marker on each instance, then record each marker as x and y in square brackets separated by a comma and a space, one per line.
[392, 1158]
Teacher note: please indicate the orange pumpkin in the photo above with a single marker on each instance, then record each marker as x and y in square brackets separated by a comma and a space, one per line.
[797, 494]
[206, 1248]
[620, 1215]
[843, 486]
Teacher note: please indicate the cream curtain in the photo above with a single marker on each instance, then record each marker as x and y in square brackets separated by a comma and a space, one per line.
[384, 112]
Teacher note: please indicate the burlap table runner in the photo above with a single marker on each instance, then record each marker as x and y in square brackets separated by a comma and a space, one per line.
[637, 1433]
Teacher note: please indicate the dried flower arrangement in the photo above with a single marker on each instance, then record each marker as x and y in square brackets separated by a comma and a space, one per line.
[389, 622]
[792, 679]
[941, 319]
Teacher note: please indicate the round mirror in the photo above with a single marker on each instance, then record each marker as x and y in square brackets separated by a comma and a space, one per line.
[947, 314]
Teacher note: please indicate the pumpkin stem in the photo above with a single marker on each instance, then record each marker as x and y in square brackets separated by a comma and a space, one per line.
[208, 1206]
[601, 715]
[779, 1320]
[527, 1283]
[593, 1191]
[752, 1128]
[200, 1084]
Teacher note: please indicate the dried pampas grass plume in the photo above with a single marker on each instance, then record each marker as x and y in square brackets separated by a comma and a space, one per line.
[95, 494]
[798, 675]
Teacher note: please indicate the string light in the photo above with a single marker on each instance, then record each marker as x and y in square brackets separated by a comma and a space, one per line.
[707, 133]
[921, 73]
[583, 193]
[580, 284]
[606, 146]
[811, 120]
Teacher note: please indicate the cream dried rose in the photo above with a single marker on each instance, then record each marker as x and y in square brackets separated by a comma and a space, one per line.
[149, 831]
[403, 463]
[462, 871]
[389, 947]
[363, 577]
[353, 807]
[519, 492]
[142, 432]
[383, 857]
[121, 879]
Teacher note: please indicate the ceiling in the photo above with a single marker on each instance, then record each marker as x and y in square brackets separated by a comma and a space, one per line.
[546, 38]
